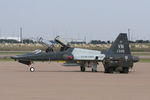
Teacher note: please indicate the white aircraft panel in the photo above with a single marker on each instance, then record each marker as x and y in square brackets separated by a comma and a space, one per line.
[84, 54]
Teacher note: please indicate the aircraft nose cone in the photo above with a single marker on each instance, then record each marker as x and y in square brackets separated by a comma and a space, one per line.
[14, 57]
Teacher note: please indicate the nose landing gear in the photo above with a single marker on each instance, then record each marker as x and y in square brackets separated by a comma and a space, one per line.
[32, 69]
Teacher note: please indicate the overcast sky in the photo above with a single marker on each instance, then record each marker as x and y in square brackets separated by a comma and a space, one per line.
[95, 19]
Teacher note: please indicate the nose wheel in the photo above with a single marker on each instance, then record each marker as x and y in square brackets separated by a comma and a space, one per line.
[32, 69]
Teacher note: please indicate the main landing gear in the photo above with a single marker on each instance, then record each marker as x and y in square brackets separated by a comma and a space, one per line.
[94, 68]
[82, 68]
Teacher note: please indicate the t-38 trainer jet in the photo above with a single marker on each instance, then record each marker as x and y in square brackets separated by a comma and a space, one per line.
[117, 58]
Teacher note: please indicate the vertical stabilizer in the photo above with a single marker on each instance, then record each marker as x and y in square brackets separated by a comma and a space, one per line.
[121, 45]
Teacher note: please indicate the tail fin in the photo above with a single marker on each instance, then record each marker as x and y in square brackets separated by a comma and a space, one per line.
[121, 45]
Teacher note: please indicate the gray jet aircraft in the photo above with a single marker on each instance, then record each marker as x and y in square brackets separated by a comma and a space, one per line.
[117, 58]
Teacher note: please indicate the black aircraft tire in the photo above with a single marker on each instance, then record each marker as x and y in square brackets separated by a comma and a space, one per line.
[82, 69]
[106, 70]
[94, 70]
[110, 70]
[125, 70]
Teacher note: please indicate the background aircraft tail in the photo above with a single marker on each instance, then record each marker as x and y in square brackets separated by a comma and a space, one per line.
[121, 45]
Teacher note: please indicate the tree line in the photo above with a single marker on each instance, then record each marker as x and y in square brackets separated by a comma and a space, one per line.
[109, 42]
[25, 41]
[29, 41]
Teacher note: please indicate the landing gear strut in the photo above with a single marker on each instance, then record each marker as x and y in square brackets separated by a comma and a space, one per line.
[32, 69]
[94, 70]
[82, 68]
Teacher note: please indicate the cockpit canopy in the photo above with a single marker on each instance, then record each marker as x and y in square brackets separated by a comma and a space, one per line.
[63, 43]
[37, 51]
[51, 47]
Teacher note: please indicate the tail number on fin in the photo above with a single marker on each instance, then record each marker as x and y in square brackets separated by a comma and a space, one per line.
[120, 48]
